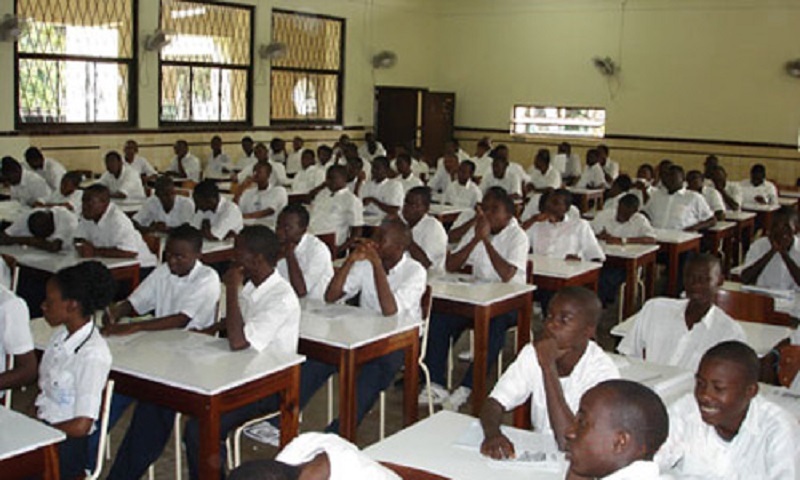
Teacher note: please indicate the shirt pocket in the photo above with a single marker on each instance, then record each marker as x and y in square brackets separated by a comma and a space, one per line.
[62, 389]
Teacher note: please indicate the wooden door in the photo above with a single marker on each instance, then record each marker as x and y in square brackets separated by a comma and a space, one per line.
[397, 115]
[438, 117]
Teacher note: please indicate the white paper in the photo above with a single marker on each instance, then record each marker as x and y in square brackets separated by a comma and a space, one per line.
[532, 449]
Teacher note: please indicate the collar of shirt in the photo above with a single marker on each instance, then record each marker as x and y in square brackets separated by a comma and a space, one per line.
[256, 292]
[106, 217]
[69, 344]
[639, 470]
[189, 277]
[512, 224]
[399, 265]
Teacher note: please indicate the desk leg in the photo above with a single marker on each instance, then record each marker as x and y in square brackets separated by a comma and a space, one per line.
[411, 382]
[672, 268]
[630, 288]
[522, 414]
[481, 328]
[51, 471]
[290, 407]
[347, 395]
[209, 467]
[650, 280]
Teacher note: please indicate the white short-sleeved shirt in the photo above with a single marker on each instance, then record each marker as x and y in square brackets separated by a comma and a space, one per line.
[409, 182]
[195, 295]
[511, 182]
[521, 173]
[765, 448]
[116, 230]
[256, 200]
[550, 179]
[592, 177]
[637, 226]
[314, 259]
[15, 329]
[512, 245]
[152, 211]
[568, 237]
[776, 274]
[225, 219]
[429, 234]
[336, 212]
[567, 166]
[713, 198]
[75, 200]
[363, 152]
[308, 179]
[532, 209]
[441, 180]
[466, 196]
[678, 211]
[611, 168]
[72, 375]
[191, 165]
[524, 380]
[389, 191]
[31, 189]
[638, 470]
[271, 314]
[734, 190]
[660, 335]
[217, 163]
[345, 460]
[128, 183]
[51, 172]
[276, 177]
[483, 165]
[64, 225]
[141, 166]
[766, 190]
[407, 280]
[294, 162]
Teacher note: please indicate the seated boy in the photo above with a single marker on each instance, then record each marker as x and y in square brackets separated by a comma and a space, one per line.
[405, 176]
[16, 342]
[553, 372]
[68, 195]
[122, 181]
[502, 176]
[563, 237]
[310, 176]
[139, 164]
[773, 261]
[304, 260]
[534, 210]
[356, 175]
[27, 187]
[184, 164]
[725, 430]
[217, 217]
[47, 168]
[218, 163]
[731, 192]
[673, 207]
[429, 239]
[165, 209]
[757, 190]
[567, 163]
[677, 331]
[543, 175]
[51, 230]
[466, 220]
[593, 176]
[695, 181]
[619, 427]
[264, 202]
[445, 174]
[337, 210]
[382, 196]
[497, 249]
[463, 192]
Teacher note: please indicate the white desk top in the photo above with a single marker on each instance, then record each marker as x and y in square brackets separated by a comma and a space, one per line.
[670, 383]
[675, 236]
[629, 250]
[465, 289]
[53, 262]
[738, 215]
[11, 210]
[372, 220]
[585, 191]
[211, 246]
[786, 301]
[127, 205]
[440, 209]
[21, 434]
[757, 207]
[560, 268]
[430, 445]
[787, 201]
[790, 193]
[722, 226]
[349, 327]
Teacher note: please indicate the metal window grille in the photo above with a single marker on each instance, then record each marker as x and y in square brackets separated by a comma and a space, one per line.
[535, 120]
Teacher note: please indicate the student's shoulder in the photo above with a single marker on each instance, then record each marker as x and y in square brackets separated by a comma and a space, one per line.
[661, 306]
[774, 420]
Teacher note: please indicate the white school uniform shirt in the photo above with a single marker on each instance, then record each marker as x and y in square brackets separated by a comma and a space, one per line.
[15, 327]
[191, 165]
[441, 180]
[128, 183]
[678, 211]
[636, 226]
[511, 182]
[116, 230]
[713, 199]
[567, 166]
[51, 172]
[336, 212]
[345, 460]
[550, 179]
[254, 200]
[766, 190]
[141, 166]
[64, 222]
[512, 245]
[152, 211]
[611, 168]
[246, 162]
[75, 199]
[225, 219]
[363, 152]
[271, 314]
[734, 190]
[429, 234]
[466, 196]
[638, 470]
[524, 380]
[659, 333]
[72, 375]
[277, 157]
[277, 177]
[776, 274]
[532, 208]
[407, 281]
[409, 182]
[31, 189]
[216, 163]
[765, 448]
[308, 179]
[389, 191]
[483, 165]
[567, 237]
[195, 295]
[592, 177]
[294, 162]
[419, 168]
[314, 259]
[521, 173]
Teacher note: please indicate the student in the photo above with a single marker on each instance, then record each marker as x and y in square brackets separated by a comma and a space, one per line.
[277, 151]
[382, 196]
[534, 210]
[137, 162]
[325, 157]
[624, 224]
[497, 249]
[622, 185]
[264, 202]
[121, 181]
[445, 175]
[466, 220]
[356, 176]
[758, 190]
[725, 429]
[695, 182]
[562, 237]
[610, 167]
[463, 192]
[677, 331]
[76, 362]
[51, 230]
[483, 157]
[594, 176]
[310, 175]
[184, 165]
[662, 170]
[567, 164]
[645, 175]
[773, 261]
[340, 146]
[260, 154]
[304, 260]
[68, 194]
[47, 168]
[404, 174]
[337, 210]
[553, 372]
[618, 428]
[514, 167]
[218, 162]
[217, 217]
[673, 207]
[165, 209]
[429, 238]
[543, 175]
[294, 161]
[502, 176]
[248, 158]
[372, 148]
[709, 165]
[27, 187]
[105, 231]
[16, 342]
[731, 192]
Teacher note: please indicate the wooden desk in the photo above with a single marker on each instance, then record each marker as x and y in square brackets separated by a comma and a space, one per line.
[787, 308]
[129, 205]
[673, 243]
[11, 210]
[461, 295]
[763, 214]
[553, 274]
[583, 196]
[28, 447]
[745, 230]
[349, 337]
[631, 257]
[215, 251]
[720, 240]
[446, 213]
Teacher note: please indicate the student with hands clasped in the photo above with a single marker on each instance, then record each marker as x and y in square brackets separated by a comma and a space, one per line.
[773, 260]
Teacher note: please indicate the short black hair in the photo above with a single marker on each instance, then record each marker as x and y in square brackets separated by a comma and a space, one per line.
[113, 155]
[164, 182]
[97, 189]
[216, 137]
[630, 200]
[41, 223]
[10, 164]
[424, 193]
[544, 155]
[265, 470]
[624, 181]
[702, 259]
[299, 210]
[324, 148]
[404, 157]
[648, 167]
[308, 151]
[588, 301]
[470, 164]
[603, 148]
[33, 152]
[337, 170]
[182, 142]
[88, 283]
[759, 168]
[500, 194]
[739, 353]
[73, 177]
[693, 173]
[563, 193]
[382, 161]
[485, 142]
[206, 189]
[592, 154]
[261, 240]
[189, 234]
[395, 226]
[675, 168]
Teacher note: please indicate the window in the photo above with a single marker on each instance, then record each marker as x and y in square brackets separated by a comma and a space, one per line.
[571, 121]
[75, 62]
[206, 73]
[306, 84]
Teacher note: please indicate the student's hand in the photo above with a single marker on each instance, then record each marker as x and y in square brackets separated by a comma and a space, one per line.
[365, 250]
[234, 276]
[119, 329]
[498, 447]
[547, 351]
[288, 249]
[760, 200]
[362, 175]
[85, 250]
[482, 227]
[572, 258]
[368, 201]
[159, 227]
[612, 240]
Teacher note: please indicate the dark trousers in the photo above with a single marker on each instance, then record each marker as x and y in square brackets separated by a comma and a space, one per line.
[445, 328]
[147, 435]
[610, 280]
[72, 455]
[119, 403]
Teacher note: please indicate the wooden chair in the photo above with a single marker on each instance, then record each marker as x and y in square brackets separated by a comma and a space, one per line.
[750, 307]
[13, 268]
[789, 364]
[329, 239]
[105, 411]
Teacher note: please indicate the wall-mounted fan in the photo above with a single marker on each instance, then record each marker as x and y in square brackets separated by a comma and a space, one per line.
[273, 51]
[384, 59]
[793, 68]
[12, 28]
[156, 41]
[606, 66]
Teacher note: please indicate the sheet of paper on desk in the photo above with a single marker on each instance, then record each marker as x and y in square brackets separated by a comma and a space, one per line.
[331, 311]
[532, 449]
[783, 294]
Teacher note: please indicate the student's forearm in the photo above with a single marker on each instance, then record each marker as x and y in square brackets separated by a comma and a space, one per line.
[121, 310]
[529, 222]
[458, 233]
[171, 322]
[77, 427]
[750, 274]
[385, 207]
[710, 222]
[491, 417]
[385, 295]
[794, 270]
[559, 413]
[456, 260]
[260, 213]
[233, 321]
[112, 252]
[296, 275]
[46, 245]
[504, 269]
[729, 200]
[335, 289]
[419, 255]
[24, 372]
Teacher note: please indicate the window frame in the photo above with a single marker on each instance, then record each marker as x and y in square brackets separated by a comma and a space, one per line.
[573, 135]
[203, 124]
[89, 127]
[340, 73]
